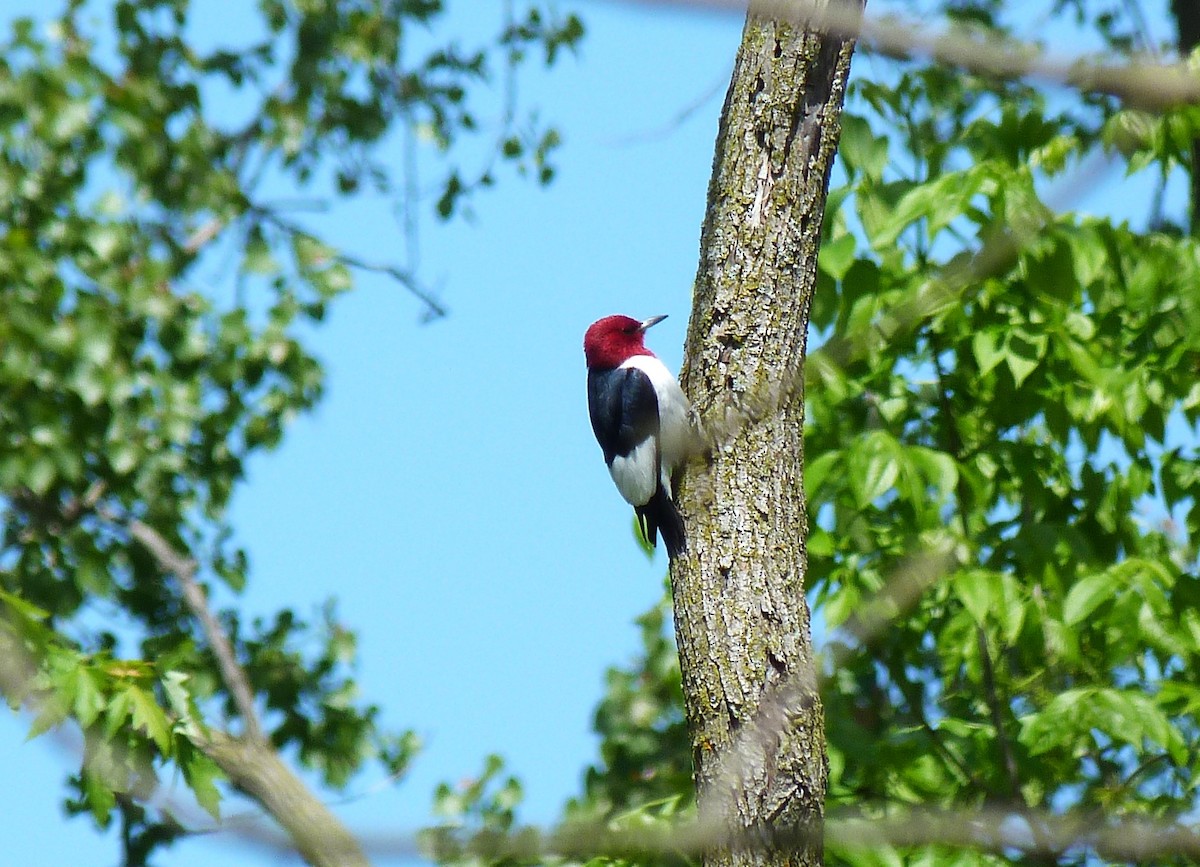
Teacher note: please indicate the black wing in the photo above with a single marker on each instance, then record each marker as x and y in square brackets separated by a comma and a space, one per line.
[624, 409]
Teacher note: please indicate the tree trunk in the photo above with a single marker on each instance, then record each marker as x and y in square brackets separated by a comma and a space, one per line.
[741, 618]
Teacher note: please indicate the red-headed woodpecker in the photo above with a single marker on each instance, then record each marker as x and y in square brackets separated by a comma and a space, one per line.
[642, 421]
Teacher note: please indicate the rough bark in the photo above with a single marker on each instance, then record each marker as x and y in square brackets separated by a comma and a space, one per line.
[741, 618]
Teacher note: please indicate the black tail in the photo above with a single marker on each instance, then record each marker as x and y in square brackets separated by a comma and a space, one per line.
[660, 514]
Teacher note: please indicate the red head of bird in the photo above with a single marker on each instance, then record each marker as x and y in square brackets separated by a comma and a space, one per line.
[613, 340]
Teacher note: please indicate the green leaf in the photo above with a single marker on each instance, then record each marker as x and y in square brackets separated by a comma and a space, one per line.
[819, 543]
[860, 148]
[149, 718]
[640, 538]
[873, 467]
[938, 468]
[51, 713]
[311, 252]
[816, 471]
[21, 607]
[41, 473]
[1024, 352]
[189, 721]
[106, 240]
[100, 797]
[1043, 731]
[89, 699]
[836, 256]
[939, 201]
[838, 607]
[258, 258]
[201, 773]
[1087, 594]
[978, 590]
[117, 712]
[988, 349]
[124, 457]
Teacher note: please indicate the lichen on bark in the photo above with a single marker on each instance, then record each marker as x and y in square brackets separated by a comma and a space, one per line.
[741, 619]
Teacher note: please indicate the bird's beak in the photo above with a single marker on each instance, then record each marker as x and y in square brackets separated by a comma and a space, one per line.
[653, 320]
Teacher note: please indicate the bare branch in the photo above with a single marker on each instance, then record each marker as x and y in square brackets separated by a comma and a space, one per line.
[434, 309]
[1145, 84]
[256, 769]
[310, 829]
[754, 742]
[202, 235]
[1000, 831]
[184, 570]
[908, 582]
[252, 765]
[996, 830]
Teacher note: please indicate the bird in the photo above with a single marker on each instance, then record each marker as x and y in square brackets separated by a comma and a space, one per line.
[642, 421]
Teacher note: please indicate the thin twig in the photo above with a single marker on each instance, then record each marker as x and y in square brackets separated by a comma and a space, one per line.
[913, 695]
[435, 309]
[996, 708]
[201, 236]
[680, 118]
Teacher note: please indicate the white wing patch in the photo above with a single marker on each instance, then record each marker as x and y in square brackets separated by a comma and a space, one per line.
[675, 434]
[635, 475]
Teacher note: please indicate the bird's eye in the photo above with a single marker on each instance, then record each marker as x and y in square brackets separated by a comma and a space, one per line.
[629, 329]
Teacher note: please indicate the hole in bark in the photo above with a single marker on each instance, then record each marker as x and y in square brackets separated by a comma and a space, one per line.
[777, 665]
[734, 722]
[724, 337]
[759, 86]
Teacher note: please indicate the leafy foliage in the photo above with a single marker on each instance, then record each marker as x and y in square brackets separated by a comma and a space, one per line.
[644, 782]
[128, 154]
[642, 729]
[1031, 430]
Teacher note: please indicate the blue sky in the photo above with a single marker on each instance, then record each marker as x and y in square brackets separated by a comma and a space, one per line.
[448, 491]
